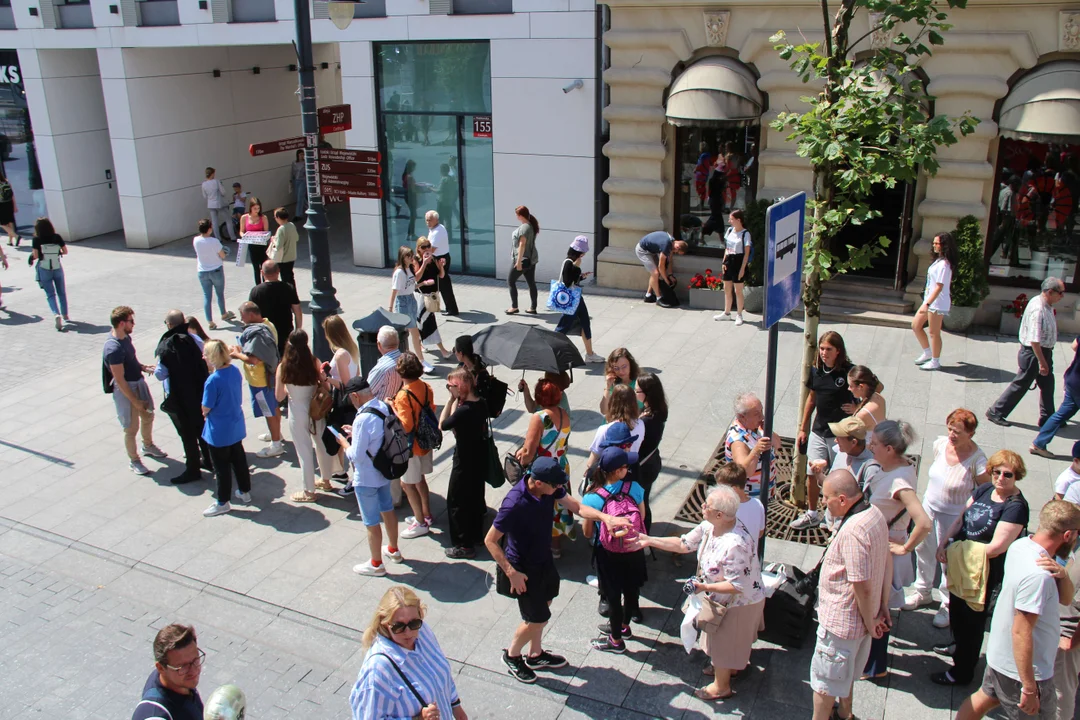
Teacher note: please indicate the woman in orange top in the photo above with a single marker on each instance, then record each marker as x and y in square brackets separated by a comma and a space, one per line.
[409, 402]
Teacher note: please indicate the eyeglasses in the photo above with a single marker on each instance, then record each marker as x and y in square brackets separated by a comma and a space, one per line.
[1007, 474]
[188, 667]
[400, 627]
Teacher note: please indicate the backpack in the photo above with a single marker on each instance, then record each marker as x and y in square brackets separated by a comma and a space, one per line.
[426, 430]
[392, 457]
[322, 400]
[493, 391]
[6, 195]
[620, 505]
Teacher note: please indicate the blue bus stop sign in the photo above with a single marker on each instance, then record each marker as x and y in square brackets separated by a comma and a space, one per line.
[784, 224]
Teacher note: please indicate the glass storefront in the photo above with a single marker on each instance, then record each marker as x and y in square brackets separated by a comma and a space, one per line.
[1032, 232]
[435, 135]
[18, 160]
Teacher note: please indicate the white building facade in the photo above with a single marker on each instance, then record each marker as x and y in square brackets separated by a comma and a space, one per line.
[476, 107]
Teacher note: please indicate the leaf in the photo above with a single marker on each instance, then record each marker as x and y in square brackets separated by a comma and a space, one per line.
[935, 38]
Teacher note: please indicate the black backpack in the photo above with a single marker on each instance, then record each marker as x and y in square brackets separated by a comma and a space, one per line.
[426, 430]
[392, 457]
[493, 391]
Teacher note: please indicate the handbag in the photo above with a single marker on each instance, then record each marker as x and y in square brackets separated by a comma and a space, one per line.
[321, 402]
[431, 302]
[563, 299]
[512, 467]
[493, 474]
[710, 615]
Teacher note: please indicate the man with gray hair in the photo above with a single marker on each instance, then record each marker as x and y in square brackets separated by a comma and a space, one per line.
[383, 378]
[745, 441]
[1038, 335]
[440, 249]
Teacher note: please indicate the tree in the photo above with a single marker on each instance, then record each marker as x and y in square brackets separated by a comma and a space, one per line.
[868, 125]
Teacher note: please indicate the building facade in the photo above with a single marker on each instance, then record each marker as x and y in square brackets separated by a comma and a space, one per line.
[690, 81]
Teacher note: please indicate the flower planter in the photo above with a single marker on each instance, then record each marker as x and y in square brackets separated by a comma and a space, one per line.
[754, 299]
[1009, 324]
[706, 299]
[960, 318]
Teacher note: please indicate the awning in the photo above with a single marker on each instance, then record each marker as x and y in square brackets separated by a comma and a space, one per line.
[715, 92]
[1044, 105]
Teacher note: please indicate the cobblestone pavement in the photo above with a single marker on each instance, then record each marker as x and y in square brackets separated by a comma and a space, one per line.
[94, 559]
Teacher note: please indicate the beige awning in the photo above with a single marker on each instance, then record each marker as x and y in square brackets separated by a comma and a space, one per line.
[715, 91]
[1044, 105]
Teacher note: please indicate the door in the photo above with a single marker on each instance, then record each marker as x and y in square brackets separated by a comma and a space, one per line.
[478, 194]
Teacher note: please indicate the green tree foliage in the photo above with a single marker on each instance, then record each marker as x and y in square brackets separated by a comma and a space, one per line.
[971, 282]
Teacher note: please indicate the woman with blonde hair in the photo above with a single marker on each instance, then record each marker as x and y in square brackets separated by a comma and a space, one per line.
[299, 376]
[224, 429]
[343, 366]
[255, 222]
[405, 673]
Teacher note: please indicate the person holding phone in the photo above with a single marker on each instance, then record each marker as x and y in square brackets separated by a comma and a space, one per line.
[620, 369]
[430, 272]
[523, 259]
[571, 275]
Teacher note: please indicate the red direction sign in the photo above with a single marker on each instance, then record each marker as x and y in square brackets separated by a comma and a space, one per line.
[349, 168]
[335, 118]
[361, 156]
[352, 192]
[356, 182]
[276, 146]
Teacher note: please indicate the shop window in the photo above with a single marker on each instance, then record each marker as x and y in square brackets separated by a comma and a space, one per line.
[1033, 232]
[717, 173]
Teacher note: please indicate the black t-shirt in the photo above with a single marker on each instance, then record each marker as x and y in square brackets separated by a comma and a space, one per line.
[469, 423]
[981, 521]
[830, 393]
[48, 250]
[654, 433]
[180, 707]
[570, 274]
[122, 352]
[275, 301]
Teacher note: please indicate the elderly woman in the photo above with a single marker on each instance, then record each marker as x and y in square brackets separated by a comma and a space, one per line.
[959, 466]
[728, 570]
[405, 673]
[995, 515]
[745, 442]
[224, 429]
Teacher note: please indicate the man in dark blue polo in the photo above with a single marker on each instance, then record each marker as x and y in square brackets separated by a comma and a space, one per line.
[526, 570]
[171, 690]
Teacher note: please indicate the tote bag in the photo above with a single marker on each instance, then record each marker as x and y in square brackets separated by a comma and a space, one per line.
[564, 299]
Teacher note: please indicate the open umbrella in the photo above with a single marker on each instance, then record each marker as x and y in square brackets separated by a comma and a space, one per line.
[526, 347]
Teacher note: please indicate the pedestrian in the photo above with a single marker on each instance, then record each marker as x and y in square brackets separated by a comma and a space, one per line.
[1038, 335]
[195, 329]
[446, 196]
[171, 691]
[523, 258]
[869, 404]
[8, 208]
[624, 428]
[122, 376]
[258, 350]
[345, 364]
[738, 248]
[716, 185]
[891, 489]
[852, 453]
[620, 570]
[561, 379]
[1065, 411]
[209, 263]
[299, 376]
[1070, 476]
[48, 247]
[429, 273]
[829, 392]
[255, 222]
[525, 568]
[653, 418]
[4, 262]
[403, 299]
[225, 430]
[183, 371]
[372, 489]
[570, 275]
[1025, 628]
[655, 251]
[239, 203]
[216, 204]
[298, 185]
[282, 248]
[412, 197]
[403, 656]
[410, 404]
[278, 303]
[547, 436]
[383, 377]
[751, 512]
[729, 574]
[620, 369]
[853, 595]
[994, 516]
[959, 466]
[440, 246]
[466, 414]
[1067, 662]
[937, 301]
[745, 442]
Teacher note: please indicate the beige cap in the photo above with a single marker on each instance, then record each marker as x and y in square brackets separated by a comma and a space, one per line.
[851, 427]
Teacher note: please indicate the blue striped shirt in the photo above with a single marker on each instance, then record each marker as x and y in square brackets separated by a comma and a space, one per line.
[383, 378]
[381, 694]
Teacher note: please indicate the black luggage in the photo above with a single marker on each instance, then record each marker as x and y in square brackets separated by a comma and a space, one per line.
[789, 615]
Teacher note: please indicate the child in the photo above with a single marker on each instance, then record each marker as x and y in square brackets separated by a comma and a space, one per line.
[1070, 475]
[621, 574]
[751, 511]
[239, 201]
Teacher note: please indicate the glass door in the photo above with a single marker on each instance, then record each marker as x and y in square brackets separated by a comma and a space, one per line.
[421, 149]
[478, 194]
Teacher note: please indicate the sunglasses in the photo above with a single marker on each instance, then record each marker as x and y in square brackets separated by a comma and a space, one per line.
[400, 627]
[1007, 474]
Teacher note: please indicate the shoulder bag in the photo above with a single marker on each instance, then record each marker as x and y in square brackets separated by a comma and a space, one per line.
[493, 474]
[512, 467]
[564, 299]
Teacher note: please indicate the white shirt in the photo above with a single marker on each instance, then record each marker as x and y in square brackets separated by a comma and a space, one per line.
[1028, 588]
[403, 281]
[735, 241]
[1066, 480]
[638, 433]
[1038, 324]
[214, 193]
[440, 240]
[940, 272]
[367, 437]
[752, 514]
[950, 486]
[206, 252]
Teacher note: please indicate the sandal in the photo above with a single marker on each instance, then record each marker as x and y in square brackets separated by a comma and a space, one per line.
[323, 485]
[703, 694]
[879, 676]
[511, 311]
[304, 497]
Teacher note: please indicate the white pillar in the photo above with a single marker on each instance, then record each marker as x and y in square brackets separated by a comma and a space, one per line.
[358, 90]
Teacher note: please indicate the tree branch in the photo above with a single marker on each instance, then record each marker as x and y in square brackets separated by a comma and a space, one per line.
[827, 27]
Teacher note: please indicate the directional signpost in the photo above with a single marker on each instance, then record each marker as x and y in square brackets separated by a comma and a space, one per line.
[784, 223]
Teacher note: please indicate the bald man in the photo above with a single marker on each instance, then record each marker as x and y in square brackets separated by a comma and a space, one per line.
[183, 371]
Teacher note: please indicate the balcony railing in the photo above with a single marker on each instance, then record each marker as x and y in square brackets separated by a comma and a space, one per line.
[156, 13]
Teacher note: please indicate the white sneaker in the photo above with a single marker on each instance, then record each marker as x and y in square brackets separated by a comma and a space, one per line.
[924, 357]
[428, 367]
[722, 316]
[592, 581]
[738, 320]
[266, 437]
[138, 468]
[809, 519]
[933, 364]
[217, 509]
[414, 530]
[941, 618]
[915, 600]
[153, 451]
[394, 557]
[594, 359]
[58, 321]
[242, 497]
[366, 568]
[272, 450]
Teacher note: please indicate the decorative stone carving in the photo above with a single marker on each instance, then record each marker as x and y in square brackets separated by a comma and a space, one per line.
[1069, 22]
[716, 27]
[879, 38]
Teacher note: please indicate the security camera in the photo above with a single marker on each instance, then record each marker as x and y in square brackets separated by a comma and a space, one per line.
[575, 85]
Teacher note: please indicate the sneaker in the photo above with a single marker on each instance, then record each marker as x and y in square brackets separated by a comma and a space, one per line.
[266, 437]
[428, 367]
[366, 568]
[941, 617]
[738, 320]
[518, 668]
[394, 557]
[1041, 452]
[594, 359]
[722, 316]
[58, 321]
[212, 325]
[346, 491]
[153, 451]
[184, 478]
[605, 643]
[414, 530]
[460, 553]
[242, 497]
[933, 364]
[272, 450]
[217, 509]
[924, 357]
[603, 608]
[336, 476]
[138, 468]
[545, 661]
[592, 581]
[228, 315]
[649, 298]
[915, 600]
[665, 304]
[946, 650]
[809, 519]
[605, 628]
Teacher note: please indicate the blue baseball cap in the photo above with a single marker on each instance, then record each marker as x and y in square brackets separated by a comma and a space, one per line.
[613, 458]
[617, 435]
[547, 470]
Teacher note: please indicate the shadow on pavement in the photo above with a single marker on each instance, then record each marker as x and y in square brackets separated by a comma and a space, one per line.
[15, 318]
[977, 373]
[448, 582]
[44, 456]
[85, 328]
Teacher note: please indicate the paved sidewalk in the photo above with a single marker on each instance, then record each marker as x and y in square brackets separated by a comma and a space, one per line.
[275, 578]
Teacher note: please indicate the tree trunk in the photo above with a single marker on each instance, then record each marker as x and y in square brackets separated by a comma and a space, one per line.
[812, 318]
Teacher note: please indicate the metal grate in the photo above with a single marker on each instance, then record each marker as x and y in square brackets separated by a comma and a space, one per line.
[440, 7]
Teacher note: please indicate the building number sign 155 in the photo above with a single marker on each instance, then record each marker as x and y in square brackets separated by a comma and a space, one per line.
[481, 126]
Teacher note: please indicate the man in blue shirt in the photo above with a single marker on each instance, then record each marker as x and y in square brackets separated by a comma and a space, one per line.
[372, 489]
[171, 691]
[654, 251]
[525, 569]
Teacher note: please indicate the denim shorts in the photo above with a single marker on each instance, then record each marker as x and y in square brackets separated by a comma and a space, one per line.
[373, 501]
[263, 402]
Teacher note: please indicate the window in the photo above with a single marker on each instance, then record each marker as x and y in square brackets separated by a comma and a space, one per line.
[154, 13]
[75, 14]
[248, 11]
[451, 77]
[370, 9]
[1032, 232]
[483, 7]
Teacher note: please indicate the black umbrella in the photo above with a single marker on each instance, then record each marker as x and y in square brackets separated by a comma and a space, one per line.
[526, 347]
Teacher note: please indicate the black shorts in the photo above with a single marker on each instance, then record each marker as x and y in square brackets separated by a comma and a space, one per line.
[732, 264]
[541, 587]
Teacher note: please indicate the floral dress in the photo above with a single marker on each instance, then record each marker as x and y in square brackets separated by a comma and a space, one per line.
[553, 441]
[730, 557]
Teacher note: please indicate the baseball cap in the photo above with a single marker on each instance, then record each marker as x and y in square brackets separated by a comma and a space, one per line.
[356, 384]
[617, 435]
[613, 458]
[849, 427]
[547, 470]
[581, 244]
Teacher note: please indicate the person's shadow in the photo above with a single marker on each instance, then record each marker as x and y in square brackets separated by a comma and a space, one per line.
[85, 328]
[10, 317]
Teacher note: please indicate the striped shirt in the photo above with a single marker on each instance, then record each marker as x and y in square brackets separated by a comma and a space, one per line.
[381, 694]
[1038, 325]
[383, 378]
[858, 552]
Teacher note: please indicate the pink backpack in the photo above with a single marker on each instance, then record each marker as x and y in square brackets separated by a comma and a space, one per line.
[620, 505]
